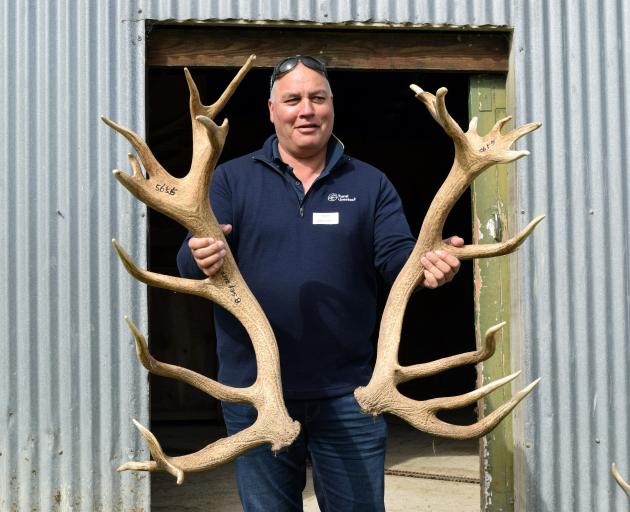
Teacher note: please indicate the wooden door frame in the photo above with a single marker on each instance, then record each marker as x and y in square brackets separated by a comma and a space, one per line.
[493, 219]
[482, 54]
[340, 48]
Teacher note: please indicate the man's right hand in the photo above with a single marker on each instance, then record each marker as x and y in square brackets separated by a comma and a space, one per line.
[208, 252]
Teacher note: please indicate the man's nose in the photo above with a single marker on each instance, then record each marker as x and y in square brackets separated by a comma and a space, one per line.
[307, 108]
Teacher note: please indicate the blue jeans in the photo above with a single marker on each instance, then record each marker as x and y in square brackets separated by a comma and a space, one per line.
[346, 448]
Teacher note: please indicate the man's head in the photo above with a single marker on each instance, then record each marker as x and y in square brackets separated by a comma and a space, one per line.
[300, 106]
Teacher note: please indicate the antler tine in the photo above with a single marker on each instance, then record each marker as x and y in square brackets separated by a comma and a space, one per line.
[445, 119]
[216, 134]
[468, 252]
[516, 133]
[160, 461]
[498, 126]
[622, 483]
[201, 382]
[425, 418]
[211, 111]
[132, 465]
[209, 138]
[427, 98]
[456, 402]
[149, 161]
[436, 106]
[406, 373]
[206, 288]
[200, 287]
[489, 422]
[208, 141]
[135, 182]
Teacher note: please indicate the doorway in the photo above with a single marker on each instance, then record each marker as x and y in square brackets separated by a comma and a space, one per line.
[379, 121]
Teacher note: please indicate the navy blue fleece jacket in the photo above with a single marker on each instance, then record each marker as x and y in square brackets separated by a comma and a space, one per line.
[311, 261]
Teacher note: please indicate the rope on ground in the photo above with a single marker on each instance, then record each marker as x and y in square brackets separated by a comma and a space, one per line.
[433, 476]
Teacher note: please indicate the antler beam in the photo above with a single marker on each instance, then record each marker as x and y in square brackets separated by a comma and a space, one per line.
[186, 201]
[620, 480]
[473, 155]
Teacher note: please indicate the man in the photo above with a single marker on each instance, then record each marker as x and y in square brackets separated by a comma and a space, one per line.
[310, 228]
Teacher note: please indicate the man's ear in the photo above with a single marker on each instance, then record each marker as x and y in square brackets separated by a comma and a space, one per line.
[271, 113]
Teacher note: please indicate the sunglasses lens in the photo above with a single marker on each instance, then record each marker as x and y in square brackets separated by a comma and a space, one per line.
[286, 65]
[314, 64]
[290, 62]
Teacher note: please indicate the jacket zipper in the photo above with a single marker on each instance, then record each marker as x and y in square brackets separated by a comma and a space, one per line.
[300, 203]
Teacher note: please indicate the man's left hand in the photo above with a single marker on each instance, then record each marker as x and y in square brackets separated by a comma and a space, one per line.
[440, 267]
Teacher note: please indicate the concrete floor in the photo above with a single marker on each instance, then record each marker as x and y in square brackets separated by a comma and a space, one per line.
[422, 474]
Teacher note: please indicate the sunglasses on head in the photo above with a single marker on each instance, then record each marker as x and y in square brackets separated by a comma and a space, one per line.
[289, 64]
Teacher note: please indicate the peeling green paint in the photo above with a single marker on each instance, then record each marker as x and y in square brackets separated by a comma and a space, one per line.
[490, 202]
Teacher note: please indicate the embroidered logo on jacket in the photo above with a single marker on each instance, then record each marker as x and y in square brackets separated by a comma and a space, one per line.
[341, 197]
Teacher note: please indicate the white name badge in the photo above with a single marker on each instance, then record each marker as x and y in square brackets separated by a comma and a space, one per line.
[326, 218]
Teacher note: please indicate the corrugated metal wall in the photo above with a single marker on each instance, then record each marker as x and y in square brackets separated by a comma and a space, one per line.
[69, 379]
[69, 382]
[571, 65]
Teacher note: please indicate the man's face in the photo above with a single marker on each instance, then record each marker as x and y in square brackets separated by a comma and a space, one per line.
[301, 110]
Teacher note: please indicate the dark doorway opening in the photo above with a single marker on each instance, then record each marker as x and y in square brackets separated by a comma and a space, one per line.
[379, 121]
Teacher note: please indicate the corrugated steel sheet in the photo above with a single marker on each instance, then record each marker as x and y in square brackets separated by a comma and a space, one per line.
[571, 62]
[69, 381]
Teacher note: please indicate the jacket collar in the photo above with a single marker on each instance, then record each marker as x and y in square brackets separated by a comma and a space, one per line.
[270, 155]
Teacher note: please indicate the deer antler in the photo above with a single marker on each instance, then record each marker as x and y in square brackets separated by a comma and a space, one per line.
[473, 155]
[622, 483]
[186, 201]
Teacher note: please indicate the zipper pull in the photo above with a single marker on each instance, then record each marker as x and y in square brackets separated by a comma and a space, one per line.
[301, 211]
